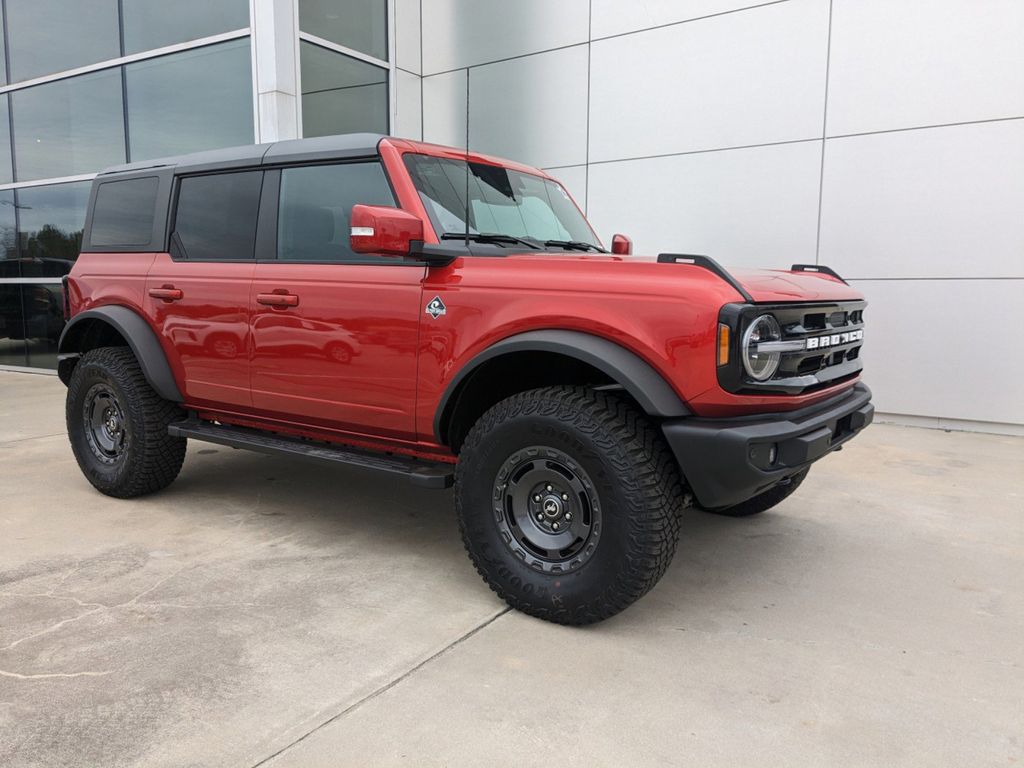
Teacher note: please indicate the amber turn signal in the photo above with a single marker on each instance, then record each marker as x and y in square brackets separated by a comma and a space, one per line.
[723, 344]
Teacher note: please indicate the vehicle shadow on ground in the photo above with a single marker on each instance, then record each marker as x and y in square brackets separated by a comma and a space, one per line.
[320, 504]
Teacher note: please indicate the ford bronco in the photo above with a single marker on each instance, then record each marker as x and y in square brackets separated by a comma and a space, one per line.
[451, 318]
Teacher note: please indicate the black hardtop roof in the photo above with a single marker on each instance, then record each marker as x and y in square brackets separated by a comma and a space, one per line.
[293, 151]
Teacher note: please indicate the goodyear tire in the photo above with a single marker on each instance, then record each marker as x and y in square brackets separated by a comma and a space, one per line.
[117, 426]
[764, 501]
[569, 503]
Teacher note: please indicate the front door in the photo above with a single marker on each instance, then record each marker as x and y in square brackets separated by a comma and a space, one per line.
[334, 332]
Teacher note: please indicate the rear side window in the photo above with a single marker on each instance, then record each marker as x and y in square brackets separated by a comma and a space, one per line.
[316, 206]
[215, 219]
[123, 212]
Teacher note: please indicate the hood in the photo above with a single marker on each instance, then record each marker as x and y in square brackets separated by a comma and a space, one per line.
[779, 285]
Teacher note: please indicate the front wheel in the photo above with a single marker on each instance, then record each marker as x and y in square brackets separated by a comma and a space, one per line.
[117, 425]
[569, 502]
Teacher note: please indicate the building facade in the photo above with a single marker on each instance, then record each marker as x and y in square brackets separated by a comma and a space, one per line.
[883, 138]
[89, 85]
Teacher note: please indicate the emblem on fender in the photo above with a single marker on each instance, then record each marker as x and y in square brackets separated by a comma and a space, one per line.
[436, 307]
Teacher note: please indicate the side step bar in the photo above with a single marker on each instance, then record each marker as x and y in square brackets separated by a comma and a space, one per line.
[418, 472]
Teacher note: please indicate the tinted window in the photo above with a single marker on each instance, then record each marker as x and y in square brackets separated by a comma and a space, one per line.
[152, 24]
[216, 215]
[359, 24]
[47, 36]
[69, 127]
[316, 205]
[190, 101]
[123, 212]
[341, 94]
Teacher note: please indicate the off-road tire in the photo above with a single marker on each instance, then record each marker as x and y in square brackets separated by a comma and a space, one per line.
[763, 501]
[149, 458]
[634, 476]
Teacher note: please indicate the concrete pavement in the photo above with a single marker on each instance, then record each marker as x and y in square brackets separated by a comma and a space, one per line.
[266, 611]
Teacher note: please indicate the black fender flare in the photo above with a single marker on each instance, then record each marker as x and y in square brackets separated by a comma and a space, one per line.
[141, 339]
[648, 387]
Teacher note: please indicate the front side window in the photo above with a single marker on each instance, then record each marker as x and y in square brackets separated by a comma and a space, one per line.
[216, 214]
[485, 200]
[316, 206]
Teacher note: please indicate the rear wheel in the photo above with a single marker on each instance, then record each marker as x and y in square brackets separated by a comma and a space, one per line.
[764, 501]
[117, 425]
[569, 503]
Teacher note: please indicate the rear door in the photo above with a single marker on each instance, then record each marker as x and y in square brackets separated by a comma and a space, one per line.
[334, 332]
[198, 294]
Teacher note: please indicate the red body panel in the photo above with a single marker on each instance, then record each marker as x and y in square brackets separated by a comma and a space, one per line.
[345, 356]
[346, 352]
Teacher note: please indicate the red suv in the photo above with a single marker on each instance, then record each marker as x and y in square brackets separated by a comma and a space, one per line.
[451, 318]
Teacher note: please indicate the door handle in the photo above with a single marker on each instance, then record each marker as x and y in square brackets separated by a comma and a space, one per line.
[167, 293]
[278, 300]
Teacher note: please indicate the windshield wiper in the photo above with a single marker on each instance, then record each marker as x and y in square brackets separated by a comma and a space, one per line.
[491, 237]
[575, 245]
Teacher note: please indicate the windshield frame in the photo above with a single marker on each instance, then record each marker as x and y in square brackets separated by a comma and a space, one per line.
[578, 228]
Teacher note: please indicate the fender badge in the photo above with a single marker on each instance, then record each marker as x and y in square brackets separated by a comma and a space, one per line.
[436, 308]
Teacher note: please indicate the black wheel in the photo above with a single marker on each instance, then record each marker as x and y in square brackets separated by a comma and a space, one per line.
[568, 502]
[117, 426]
[763, 501]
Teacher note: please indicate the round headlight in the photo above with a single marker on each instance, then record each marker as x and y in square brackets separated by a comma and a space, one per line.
[761, 365]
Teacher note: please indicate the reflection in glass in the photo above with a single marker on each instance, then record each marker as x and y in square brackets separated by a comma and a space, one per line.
[8, 236]
[190, 101]
[47, 36]
[3, 52]
[69, 126]
[358, 24]
[51, 220]
[44, 320]
[341, 94]
[150, 24]
[12, 325]
[6, 171]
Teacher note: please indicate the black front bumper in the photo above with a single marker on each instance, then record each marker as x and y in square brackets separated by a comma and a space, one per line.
[727, 461]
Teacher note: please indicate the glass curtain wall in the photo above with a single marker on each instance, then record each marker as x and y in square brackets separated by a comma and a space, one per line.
[86, 85]
[178, 92]
[343, 65]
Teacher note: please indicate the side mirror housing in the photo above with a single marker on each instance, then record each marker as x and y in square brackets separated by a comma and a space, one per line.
[621, 245]
[383, 230]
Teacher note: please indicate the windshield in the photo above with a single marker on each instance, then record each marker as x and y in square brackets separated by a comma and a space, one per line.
[503, 204]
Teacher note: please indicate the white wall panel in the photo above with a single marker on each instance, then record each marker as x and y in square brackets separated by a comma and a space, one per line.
[408, 106]
[744, 207]
[924, 62]
[939, 202]
[574, 179]
[444, 108]
[407, 35]
[532, 109]
[614, 17]
[744, 78]
[973, 373]
[460, 33]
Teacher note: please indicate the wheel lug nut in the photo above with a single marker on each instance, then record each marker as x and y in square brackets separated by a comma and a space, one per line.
[540, 517]
[536, 497]
[568, 515]
[555, 526]
[549, 487]
[565, 497]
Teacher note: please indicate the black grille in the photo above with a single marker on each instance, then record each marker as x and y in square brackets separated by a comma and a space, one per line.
[833, 357]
